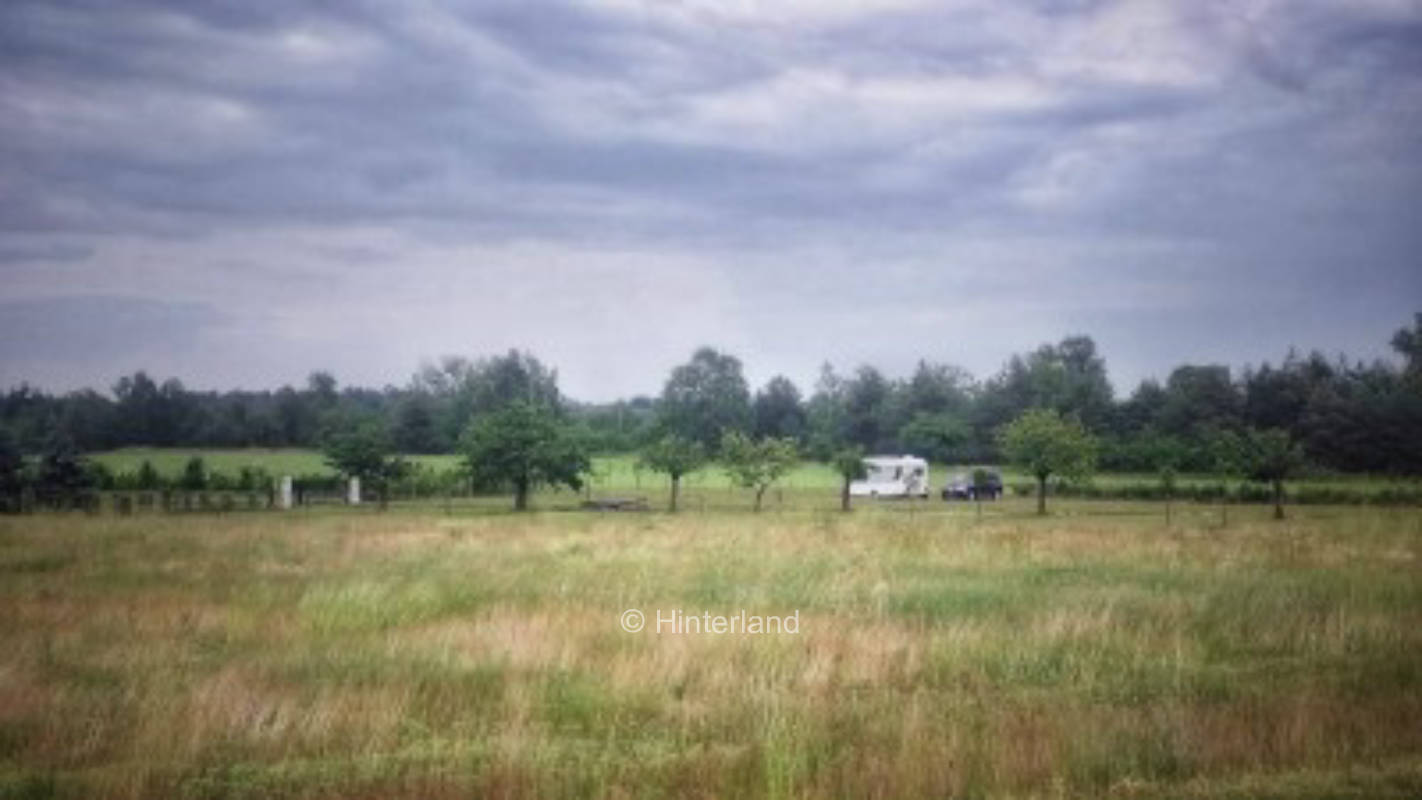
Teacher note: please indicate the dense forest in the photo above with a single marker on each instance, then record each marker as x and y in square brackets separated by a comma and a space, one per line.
[1348, 416]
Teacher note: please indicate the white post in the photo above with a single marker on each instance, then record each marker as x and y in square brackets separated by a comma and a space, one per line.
[284, 501]
[353, 491]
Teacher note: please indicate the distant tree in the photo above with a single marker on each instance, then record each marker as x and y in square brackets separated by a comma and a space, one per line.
[524, 446]
[1141, 411]
[868, 400]
[63, 474]
[1408, 343]
[1044, 443]
[938, 437]
[1167, 456]
[938, 389]
[1068, 377]
[705, 398]
[1199, 399]
[12, 473]
[362, 449]
[757, 465]
[825, 415]
[778, 411]
[296, 420]
[98, 475]
[676, 456]
[1272, 457]
[321, 386]
[148, 478]
[416, 429]
[849, 463]
[1230, 459]
[194, 477]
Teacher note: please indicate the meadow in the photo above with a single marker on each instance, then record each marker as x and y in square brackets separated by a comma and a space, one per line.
[350, 653]
[621, 474]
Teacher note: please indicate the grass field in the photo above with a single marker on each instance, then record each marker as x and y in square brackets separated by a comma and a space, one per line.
[620, 473]
[414, 654]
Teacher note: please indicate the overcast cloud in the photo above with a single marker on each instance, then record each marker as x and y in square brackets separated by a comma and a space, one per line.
[239, 193]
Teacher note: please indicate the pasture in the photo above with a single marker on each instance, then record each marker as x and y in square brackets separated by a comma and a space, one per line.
[621, 474]
[348, 653]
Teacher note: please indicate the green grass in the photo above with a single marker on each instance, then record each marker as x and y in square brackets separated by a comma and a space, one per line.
[620, 473]
[1093, 652]
[169, 461]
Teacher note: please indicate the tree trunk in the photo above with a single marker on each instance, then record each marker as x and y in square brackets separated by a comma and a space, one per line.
[1042, 494]
[676, 485]
[521, 495]
[759, 493]
[1278, 499]
[844, 496]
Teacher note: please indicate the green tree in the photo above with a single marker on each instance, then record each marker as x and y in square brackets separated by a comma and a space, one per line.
[1408, 343]
[1272, 458]
[194, 477]
[363, 450]
[705, 398]
[148, 478]
[757, 465]
[524, 445]
[849, 463]
[675, 456]
[12, 473]
[778, 411]
[1045, 443]
[1167, 455]
[868, 400]
[63, 474]
[938, 437]
[825, 415]
[1230, 458]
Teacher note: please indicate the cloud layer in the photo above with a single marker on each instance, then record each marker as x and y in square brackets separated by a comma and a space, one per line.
[358, 186]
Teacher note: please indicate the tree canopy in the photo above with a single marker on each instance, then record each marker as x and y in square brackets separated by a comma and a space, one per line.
[1044, 443]
[523, 446]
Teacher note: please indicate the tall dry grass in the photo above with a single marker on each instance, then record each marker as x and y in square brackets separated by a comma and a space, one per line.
[367, 655]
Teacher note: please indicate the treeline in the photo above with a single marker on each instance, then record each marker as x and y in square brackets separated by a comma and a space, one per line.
[1348, 416]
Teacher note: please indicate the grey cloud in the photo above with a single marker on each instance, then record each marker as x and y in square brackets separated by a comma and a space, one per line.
[1253, 152]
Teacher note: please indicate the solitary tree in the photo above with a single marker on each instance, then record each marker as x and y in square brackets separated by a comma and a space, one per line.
[1230, 457]
[849, 463]
[1166, 455]
[1272, 457]
[363, 450]
[1044, 443]
[524, 445]
[757, 465]
[676, 456]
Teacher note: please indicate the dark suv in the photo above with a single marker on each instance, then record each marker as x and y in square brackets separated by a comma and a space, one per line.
[960, 487]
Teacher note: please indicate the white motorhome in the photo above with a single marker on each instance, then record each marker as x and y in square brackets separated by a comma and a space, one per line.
[892, 476]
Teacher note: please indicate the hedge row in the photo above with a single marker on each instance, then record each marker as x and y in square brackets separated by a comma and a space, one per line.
[1238, 493]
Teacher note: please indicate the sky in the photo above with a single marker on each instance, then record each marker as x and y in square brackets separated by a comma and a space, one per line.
[237, 194]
